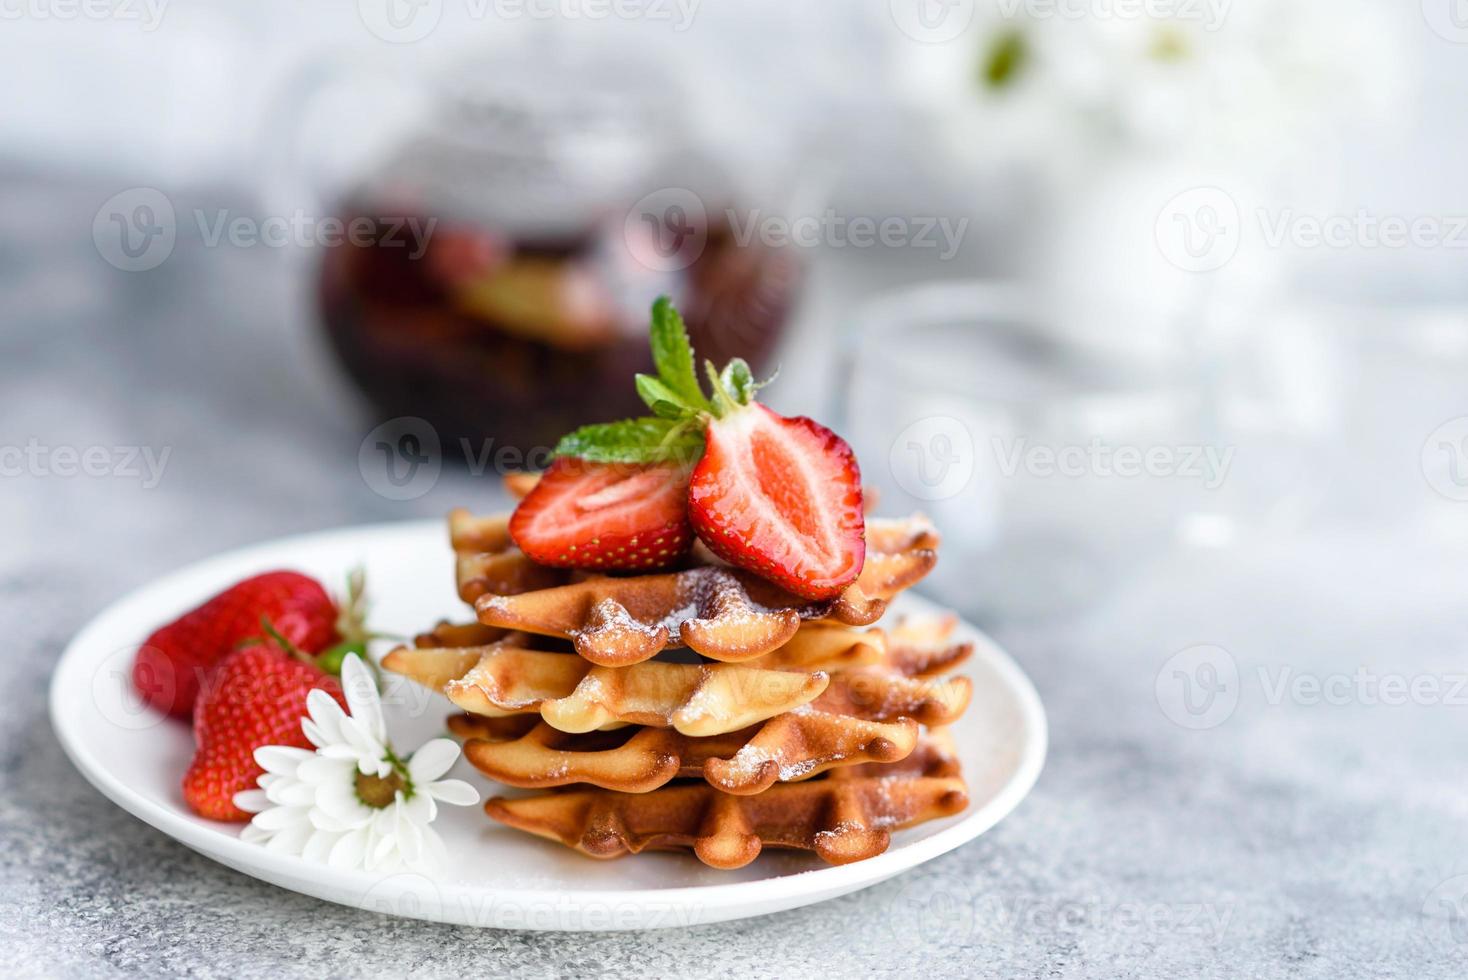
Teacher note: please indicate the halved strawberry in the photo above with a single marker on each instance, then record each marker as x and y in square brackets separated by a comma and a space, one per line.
[780, 497]
[608, 516]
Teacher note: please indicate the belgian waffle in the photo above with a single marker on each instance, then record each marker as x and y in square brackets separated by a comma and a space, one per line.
[722, 613]
[841, 820]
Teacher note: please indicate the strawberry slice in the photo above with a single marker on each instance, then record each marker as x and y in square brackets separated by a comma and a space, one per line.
[606, 516]
[780, 497]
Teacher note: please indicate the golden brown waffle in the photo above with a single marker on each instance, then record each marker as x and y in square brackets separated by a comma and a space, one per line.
[921, 646]
[722, 613]
[447, 634]
[466, 726]
[792, 746]
[840, 820]
[883, 696]
[573, 695]
[839, 728]
[916, 646]
[935, 757]
[487, 561]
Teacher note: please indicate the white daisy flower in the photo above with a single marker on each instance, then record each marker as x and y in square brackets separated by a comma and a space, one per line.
[353, 803]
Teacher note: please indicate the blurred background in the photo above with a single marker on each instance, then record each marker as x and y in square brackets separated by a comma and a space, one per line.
[1089, 281]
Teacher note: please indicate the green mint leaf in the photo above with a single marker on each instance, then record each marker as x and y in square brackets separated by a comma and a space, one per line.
[738, 381]
[663, 400]
[644, 440]
[672, 355]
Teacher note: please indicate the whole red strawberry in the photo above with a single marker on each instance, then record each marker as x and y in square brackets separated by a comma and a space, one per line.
[255, 696]
[174, 661]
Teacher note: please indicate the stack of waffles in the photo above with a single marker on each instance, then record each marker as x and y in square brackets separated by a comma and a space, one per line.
[700, 708]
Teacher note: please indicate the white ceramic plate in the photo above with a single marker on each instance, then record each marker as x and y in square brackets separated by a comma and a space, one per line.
[499, 877]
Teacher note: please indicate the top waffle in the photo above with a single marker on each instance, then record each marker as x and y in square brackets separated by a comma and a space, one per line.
[720, 612]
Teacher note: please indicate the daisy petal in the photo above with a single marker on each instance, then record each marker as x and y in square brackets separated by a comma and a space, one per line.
[435, 854]
[381, 853]
[326, 714]
[318, 847]
[324, 768]
[282, 759]
[421, 809]
[432, 760]
[453, 791]
[410, 840]
[361, 691]
[292, 840]
[278, 818]
[251, 800]
[340, 802]
[314, 734]
[348, 851]
[251, 834]
[293, 793]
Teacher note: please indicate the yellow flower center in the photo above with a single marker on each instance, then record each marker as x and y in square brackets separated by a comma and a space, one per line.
[379, 791]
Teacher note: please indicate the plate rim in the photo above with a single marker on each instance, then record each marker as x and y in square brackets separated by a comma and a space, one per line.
[797, 888]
